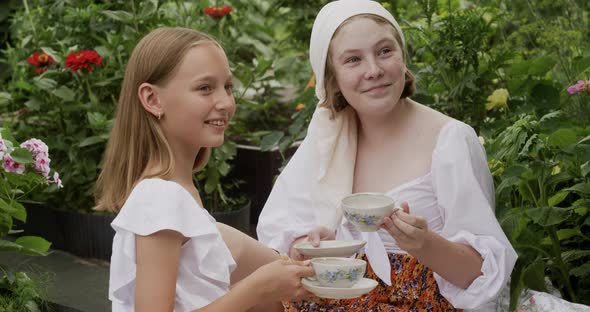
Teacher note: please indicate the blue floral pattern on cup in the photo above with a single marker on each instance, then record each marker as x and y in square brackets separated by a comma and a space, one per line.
[361, 219]
[333, 276]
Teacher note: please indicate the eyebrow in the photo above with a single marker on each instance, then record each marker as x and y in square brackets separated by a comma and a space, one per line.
[211, 77]
[388, 40]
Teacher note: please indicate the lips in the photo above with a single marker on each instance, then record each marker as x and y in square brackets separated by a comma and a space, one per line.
[217, 122]
[377, 87]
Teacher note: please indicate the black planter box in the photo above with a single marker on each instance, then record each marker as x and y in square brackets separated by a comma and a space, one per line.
[258, 170]
[239, 219]
[85, 235]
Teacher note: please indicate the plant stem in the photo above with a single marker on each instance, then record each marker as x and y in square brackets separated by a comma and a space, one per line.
[562, 268]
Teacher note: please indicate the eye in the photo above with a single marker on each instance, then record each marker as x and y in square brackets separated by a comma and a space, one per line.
[385, 51]
[229, 87]
[204, 88]
[352, 59]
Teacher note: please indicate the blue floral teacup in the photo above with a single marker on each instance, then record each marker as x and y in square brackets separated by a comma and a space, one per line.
[367, 210]
[338, 272]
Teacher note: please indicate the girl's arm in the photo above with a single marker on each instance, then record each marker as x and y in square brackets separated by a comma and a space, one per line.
[158, 257]
[457, 263]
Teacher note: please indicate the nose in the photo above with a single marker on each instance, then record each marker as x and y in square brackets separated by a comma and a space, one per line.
[225, 101]
[373, 70]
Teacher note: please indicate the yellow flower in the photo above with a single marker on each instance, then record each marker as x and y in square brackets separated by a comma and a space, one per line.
[481, 140]
[496, 167]
[299, 106]
[556, 170]
[498, 99]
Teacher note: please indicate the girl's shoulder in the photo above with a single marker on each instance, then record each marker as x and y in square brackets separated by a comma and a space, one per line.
[156, 204]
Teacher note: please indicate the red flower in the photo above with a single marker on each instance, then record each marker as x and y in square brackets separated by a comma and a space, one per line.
[84, 59]
[41, 61]
[218, 12]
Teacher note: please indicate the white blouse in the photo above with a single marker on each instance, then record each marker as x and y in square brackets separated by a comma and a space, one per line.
[205, 261]
[456, 198]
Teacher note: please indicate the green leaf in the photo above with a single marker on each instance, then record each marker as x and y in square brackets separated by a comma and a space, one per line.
[545, 95]
[271, 140]
[15, 247]
[5, 98]
[121, 16]
[91, 141]
[562, 138]
[546, 216]
[581, 271]
[585, 168]
[541, 65]
[582, 211]
[34, 243]
[52, 53]
[557, 198]
[534, 276]
[584, 140]
[263, 66]
[45, 83]
[64, 93]
[567, 233]
[22, 155]
[580, 188]
[14, 209]
[33, 104]
[573, 255]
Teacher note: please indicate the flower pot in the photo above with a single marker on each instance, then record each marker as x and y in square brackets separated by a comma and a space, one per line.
[85, 235]
[239, 219]
[258, 169]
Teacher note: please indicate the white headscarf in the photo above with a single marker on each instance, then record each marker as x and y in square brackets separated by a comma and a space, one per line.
[334, 141]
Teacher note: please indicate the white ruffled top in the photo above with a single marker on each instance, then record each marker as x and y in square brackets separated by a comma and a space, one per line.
[456, 198]
[205, 261]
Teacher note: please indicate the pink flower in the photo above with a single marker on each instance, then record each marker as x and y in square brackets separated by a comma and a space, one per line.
[41, 165]
[56, 180]
[12, 166]
[3, 148]
[36, 146]
[580, 86]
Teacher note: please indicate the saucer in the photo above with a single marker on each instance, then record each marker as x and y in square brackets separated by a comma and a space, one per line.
[330, 248]
[363, 286]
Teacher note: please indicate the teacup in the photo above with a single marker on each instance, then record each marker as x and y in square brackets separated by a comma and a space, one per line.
[367, 210]
[338, 272]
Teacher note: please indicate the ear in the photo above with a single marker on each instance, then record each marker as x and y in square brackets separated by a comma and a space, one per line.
[148, 96]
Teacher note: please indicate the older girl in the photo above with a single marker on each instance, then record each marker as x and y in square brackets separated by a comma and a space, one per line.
[445, 250]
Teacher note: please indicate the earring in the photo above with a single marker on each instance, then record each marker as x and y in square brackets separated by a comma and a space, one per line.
[159, 115]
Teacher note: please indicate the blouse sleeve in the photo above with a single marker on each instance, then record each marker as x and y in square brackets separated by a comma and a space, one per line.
[156, 205]
[465, 192]
[288, 213]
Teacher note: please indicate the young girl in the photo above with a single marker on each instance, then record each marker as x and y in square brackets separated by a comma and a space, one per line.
[168, 253]
[445, 250]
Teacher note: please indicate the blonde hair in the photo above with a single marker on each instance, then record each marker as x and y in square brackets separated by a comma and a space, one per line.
[335, 101]
[137, 138]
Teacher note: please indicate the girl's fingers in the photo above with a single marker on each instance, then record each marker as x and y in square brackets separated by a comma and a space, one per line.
[413, 220]
[407, 229]
[393, 229]
[405, 207]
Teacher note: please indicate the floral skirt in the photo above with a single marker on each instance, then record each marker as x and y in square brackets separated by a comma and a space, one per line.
[413, 289]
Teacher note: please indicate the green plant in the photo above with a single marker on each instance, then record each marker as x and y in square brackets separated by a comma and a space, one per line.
[25, 168]
[541, 169]
[19, 293]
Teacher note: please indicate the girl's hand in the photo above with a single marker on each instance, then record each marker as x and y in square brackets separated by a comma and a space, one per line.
[281, 279]
[409, 231]
[314, 236]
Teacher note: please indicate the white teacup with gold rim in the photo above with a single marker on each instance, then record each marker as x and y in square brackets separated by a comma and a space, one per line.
[367, 210]
[338, 272]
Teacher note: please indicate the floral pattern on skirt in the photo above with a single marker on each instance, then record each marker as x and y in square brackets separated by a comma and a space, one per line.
[413, 289]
